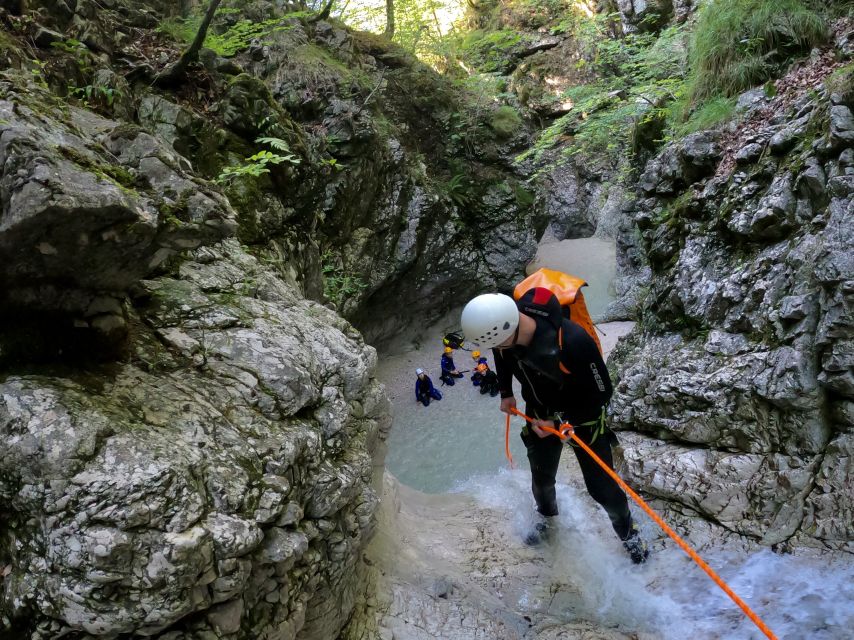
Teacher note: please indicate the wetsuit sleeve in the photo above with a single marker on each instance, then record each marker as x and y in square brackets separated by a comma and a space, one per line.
[504, 371]
[418, 388]
[447, 363]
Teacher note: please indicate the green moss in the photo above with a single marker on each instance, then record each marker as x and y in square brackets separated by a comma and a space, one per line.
[524, 197]
[841, 81]
[490, 51]
[173, 214]
[118, 175]
[505, 122]
[245, 197]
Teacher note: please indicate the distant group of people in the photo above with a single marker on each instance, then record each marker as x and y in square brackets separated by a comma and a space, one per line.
[481, 376]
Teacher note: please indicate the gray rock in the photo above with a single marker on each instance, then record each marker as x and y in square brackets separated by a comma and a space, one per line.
[751, 100]
[786, 138]
[772, 217]
[746, 343]
[841, 126]
[644, 15]
[151, 482]
[84, 217]
[749, 153]
[164, 119]
[699, 154]
[812, 180]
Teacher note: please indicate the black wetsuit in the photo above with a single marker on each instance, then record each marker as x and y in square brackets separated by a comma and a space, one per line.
[578, 397]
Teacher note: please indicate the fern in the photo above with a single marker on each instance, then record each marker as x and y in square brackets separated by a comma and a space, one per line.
[274, 143]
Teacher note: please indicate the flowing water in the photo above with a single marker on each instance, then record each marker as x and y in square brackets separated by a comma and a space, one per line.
[457, 445]
[670, 597]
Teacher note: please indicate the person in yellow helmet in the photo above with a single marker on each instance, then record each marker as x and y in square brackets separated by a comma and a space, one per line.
[478, 370]
[449, 369]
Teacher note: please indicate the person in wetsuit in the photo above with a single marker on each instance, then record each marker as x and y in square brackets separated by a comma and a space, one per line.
[489, 381]
[424, 389]
[449, 369]
[563, 378]
[475, 376]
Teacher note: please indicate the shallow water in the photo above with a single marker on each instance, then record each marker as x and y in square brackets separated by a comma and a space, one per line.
[670, 597]
[434, 449]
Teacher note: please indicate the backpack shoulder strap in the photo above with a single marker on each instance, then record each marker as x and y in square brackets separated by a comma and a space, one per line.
[563, 367]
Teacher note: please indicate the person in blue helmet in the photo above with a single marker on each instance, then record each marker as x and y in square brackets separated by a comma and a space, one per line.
[424, 389]
[449, 369]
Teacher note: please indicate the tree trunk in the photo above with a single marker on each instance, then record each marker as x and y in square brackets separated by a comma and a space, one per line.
[172, 75]
[324, 12]
[389, 19]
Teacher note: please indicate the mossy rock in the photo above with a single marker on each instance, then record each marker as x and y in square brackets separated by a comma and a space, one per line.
[505, 122]
[493, 51]
[841, 82]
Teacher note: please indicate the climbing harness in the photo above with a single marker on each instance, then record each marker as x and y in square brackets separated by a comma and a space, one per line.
[565, 431]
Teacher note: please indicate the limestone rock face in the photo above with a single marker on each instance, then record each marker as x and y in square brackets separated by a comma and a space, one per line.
[90, 206]
[737, 382]
[218, 483]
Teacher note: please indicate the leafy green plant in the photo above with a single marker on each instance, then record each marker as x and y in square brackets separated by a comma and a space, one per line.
[637, 76]
[234, 39]
[333, 164]
[37, 73]
[458, 189]
[77, 49]
[338, 284]
[259, 164]
[93, 96]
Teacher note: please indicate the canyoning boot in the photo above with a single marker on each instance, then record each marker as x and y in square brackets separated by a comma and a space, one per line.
[541, 531]
[636, 546]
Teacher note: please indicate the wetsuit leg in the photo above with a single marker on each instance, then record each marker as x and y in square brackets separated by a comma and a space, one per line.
[425, 400]
[600, 485]
[544, 456]
[437, 395]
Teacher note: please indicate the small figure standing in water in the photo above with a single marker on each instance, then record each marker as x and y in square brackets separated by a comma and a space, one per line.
[424, 389]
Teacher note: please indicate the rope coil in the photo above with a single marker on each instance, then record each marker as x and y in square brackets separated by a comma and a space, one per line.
[566, 431]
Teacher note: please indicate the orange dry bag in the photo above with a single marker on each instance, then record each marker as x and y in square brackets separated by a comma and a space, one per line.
[567, 289]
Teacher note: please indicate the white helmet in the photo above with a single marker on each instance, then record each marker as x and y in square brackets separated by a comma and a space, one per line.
[489, 319]
[418, 372]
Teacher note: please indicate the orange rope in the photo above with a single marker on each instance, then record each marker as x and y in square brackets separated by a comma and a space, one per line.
[566, 431]
[507, 441]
